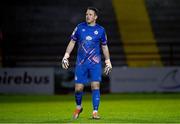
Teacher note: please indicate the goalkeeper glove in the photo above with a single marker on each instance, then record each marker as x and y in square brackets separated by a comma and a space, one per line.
[108, 67]
[65, 62]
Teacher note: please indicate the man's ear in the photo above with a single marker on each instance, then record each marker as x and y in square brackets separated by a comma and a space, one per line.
[96, 16]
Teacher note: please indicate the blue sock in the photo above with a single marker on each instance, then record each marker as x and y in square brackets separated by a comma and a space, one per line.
[96, 98]
[78, 98]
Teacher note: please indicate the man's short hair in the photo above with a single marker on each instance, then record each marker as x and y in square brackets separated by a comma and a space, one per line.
[94, 9]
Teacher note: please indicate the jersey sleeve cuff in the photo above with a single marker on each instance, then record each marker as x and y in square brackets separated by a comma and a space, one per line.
[104, 43]
[73, 38]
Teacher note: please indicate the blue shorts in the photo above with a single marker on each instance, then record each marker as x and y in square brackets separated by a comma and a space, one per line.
[88, 73]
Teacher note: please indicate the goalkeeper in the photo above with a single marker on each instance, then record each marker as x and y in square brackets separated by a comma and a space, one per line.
[90, 38]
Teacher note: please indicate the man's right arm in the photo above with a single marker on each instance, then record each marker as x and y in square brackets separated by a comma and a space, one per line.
[70, 47]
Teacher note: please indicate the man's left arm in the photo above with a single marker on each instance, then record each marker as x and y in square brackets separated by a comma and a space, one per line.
[108, 65]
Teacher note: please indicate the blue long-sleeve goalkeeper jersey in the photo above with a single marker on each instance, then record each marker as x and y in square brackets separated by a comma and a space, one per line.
[89, 40]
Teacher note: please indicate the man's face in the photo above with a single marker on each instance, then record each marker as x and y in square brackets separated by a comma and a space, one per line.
[90, 16]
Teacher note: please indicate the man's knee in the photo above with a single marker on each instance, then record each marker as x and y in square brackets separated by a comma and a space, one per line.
[79, 87]
[95, 85]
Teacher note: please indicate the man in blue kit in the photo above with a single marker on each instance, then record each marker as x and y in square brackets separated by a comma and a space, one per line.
[90, 38]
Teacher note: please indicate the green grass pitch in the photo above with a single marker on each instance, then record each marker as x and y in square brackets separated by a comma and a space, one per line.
[114, 108]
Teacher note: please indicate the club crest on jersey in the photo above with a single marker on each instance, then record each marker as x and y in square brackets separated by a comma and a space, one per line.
[88, 38]
[96, 32]
[83, 30]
